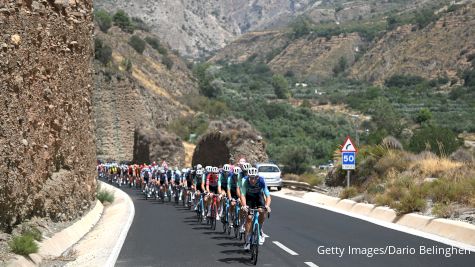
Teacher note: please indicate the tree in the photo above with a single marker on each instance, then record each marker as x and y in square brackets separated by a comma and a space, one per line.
[441, 141]
[296, 160]
[340, 67]
[301, 26]
[392, 22]
[281, 87]
[137, 43]
[423, 116]
[385, 116]
[103, 19]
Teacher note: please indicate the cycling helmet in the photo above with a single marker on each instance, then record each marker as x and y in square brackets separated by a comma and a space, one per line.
[199, 172]
[199, 166]
[246, 166]
[209, 168]
[237, 169]
[252, 172]
[184, 170]
[215, 169]
[226, 167]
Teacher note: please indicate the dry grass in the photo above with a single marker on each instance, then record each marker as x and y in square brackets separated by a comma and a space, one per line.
[435, 167]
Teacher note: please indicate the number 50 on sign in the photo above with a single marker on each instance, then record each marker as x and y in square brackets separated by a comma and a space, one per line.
[348, 160]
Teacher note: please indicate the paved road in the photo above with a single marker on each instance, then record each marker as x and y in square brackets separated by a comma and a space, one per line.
[168, 235]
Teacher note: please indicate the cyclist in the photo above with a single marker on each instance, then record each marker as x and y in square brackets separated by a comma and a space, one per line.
[223, 186]
[211, 187]
[234, 190]
[252, 196]
[199, 184]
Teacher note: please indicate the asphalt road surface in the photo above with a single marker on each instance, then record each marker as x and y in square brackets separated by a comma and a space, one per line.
[298, 235]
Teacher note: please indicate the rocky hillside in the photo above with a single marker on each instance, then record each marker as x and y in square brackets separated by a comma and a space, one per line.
[196, 28]
[440, 49]
[137, 91]
[47, 146]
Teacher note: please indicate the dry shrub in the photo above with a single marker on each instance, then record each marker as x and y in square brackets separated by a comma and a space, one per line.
[291, 177]
[393, 160]
[311, 178]
[349, 192]
[434, 166]
[443, 210]
[391, 143]
[383, 200]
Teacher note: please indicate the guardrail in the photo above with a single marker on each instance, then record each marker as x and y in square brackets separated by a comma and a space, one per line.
[302, 186]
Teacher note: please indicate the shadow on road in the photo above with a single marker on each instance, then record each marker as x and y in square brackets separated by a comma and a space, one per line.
[234, 260]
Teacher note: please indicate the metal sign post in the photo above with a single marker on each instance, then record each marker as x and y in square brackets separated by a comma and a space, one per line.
[348, 158]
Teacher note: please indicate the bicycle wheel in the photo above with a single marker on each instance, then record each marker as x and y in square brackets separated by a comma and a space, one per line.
[213, 216]
[255, 245]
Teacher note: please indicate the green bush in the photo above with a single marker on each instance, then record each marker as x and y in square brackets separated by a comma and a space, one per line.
[137, 43]
[349, 192]
[103, 19]
[102, 52]
[104, 195]
[423, 116]
[410, 202]
[443, 210]
[301, 26]
[295, 160]
[127, 63]
[153, 42]
[138, 23]
[469, 78]
[341, 66]
[281, 86]
[33, 232]
[122, 20]
[168, 62]
[424, 17]
[441, 141]
[23, 245]
[403, 81]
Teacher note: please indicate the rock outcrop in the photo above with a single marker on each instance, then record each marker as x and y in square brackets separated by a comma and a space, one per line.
[47, 150]
[228, 141]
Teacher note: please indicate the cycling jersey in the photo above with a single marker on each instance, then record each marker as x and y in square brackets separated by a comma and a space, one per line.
[199, 180]
[223, 181]
[254, 193]
[177, 178]
[146, 174]
[212, 182]
[233, 183]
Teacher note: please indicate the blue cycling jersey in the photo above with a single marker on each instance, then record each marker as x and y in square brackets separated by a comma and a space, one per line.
[258, 188]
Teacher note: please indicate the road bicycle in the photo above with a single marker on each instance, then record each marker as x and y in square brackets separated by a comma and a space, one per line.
[225, 216]
[255, 235]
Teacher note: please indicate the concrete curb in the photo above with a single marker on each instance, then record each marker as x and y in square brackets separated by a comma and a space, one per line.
[123, 234]
[101, 246]
[455, 233]
[63, 240]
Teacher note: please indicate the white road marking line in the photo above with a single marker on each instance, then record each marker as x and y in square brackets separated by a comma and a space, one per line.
[291, 252]
[311, 264]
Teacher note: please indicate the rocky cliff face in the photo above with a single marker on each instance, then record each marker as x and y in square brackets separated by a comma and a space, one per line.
[146, 96]
[440, 49]
[47, 150]
[228, 141]
[196, 28]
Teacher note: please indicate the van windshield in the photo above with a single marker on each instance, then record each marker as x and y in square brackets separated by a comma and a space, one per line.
[268, 169]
